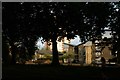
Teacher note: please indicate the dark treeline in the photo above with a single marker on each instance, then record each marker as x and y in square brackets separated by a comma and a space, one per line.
[26, 22]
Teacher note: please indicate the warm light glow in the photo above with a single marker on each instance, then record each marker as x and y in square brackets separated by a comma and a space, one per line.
[51, 11]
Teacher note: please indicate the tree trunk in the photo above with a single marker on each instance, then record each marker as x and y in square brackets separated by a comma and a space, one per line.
[55, 58]
[5, 53]
[13, 52]
[118, 54]
[30, 47]
[118, 57]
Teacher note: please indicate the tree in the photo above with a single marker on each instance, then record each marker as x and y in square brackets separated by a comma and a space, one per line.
[50, 21]
[8, 22]
[114, 26]
[14, 29]
[5, 50]
[53, 21]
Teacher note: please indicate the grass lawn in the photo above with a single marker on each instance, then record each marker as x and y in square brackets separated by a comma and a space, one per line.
[48, 72]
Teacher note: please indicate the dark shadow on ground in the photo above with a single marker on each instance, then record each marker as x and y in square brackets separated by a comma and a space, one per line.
[49, 72]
